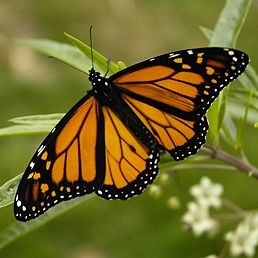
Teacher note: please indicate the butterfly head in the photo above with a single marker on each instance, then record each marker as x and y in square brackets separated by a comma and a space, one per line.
[101, 88]
[93, 75]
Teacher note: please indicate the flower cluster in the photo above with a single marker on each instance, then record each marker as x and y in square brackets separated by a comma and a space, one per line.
[241, 241]
[207, 193]
[244, 239]
[197, 218]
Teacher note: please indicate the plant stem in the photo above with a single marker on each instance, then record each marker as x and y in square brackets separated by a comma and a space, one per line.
[239, 163]
[227, 217]
[224, 251]
[234, 207]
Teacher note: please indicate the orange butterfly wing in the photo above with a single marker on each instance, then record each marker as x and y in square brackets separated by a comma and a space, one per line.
[184, 83]
[181, 137]
[171, 93]
[90, 150]
[130, 165]
[70, 162]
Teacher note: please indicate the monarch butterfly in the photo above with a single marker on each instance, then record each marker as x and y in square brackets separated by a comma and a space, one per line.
[110, 141]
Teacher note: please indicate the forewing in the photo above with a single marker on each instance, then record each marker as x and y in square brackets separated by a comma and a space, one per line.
[184, 83]
[171, 93]
[70, 162]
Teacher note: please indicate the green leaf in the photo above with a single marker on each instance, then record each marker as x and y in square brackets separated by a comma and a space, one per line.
[8, 190]
[25, 130]
[18, 229]
[245, 81]
[256, 125]
[222, 110]
[49, 119]
[35, 124]
[225, 34]
[229, 135]
[243, 100]
[207, 32]
[244, 92]
[61, 51]
[121, 65]
[100, 62]
[229, 130]
[252, 74]
[237, 111]
[230, 23]
[242, 124]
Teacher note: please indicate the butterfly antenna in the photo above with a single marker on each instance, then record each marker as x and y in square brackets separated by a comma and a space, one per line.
[108, 66]
[91, 46]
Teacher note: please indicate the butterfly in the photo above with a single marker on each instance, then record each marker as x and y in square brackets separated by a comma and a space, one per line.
[109, 143]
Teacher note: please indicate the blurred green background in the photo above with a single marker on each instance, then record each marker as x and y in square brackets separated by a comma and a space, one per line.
[30, 83]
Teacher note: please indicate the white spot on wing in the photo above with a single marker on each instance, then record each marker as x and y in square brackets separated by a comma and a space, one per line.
[171, 55]
[41, 148]
[32, 164]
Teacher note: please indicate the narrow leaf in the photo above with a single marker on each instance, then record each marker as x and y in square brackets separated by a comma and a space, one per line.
[100, 62]
[35, 124]
[244, 100]
[229, 129]
[228, 136]
[242, 124]
[237, 112]
[207, 32]
[25, 130]
[230, 23]
[61, 51]
[245, 80]
[252, 74]
[49, 119]
[121, 65]
[225, 34]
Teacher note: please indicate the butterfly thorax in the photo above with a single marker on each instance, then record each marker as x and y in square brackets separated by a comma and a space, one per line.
[101, 87]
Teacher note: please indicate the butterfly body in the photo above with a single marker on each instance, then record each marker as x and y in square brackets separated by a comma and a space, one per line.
[110, 141]
[107, 95]
[101, 87]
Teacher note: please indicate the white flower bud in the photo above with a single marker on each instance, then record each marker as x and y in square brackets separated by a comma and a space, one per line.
[173, 203]
[155, 190]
